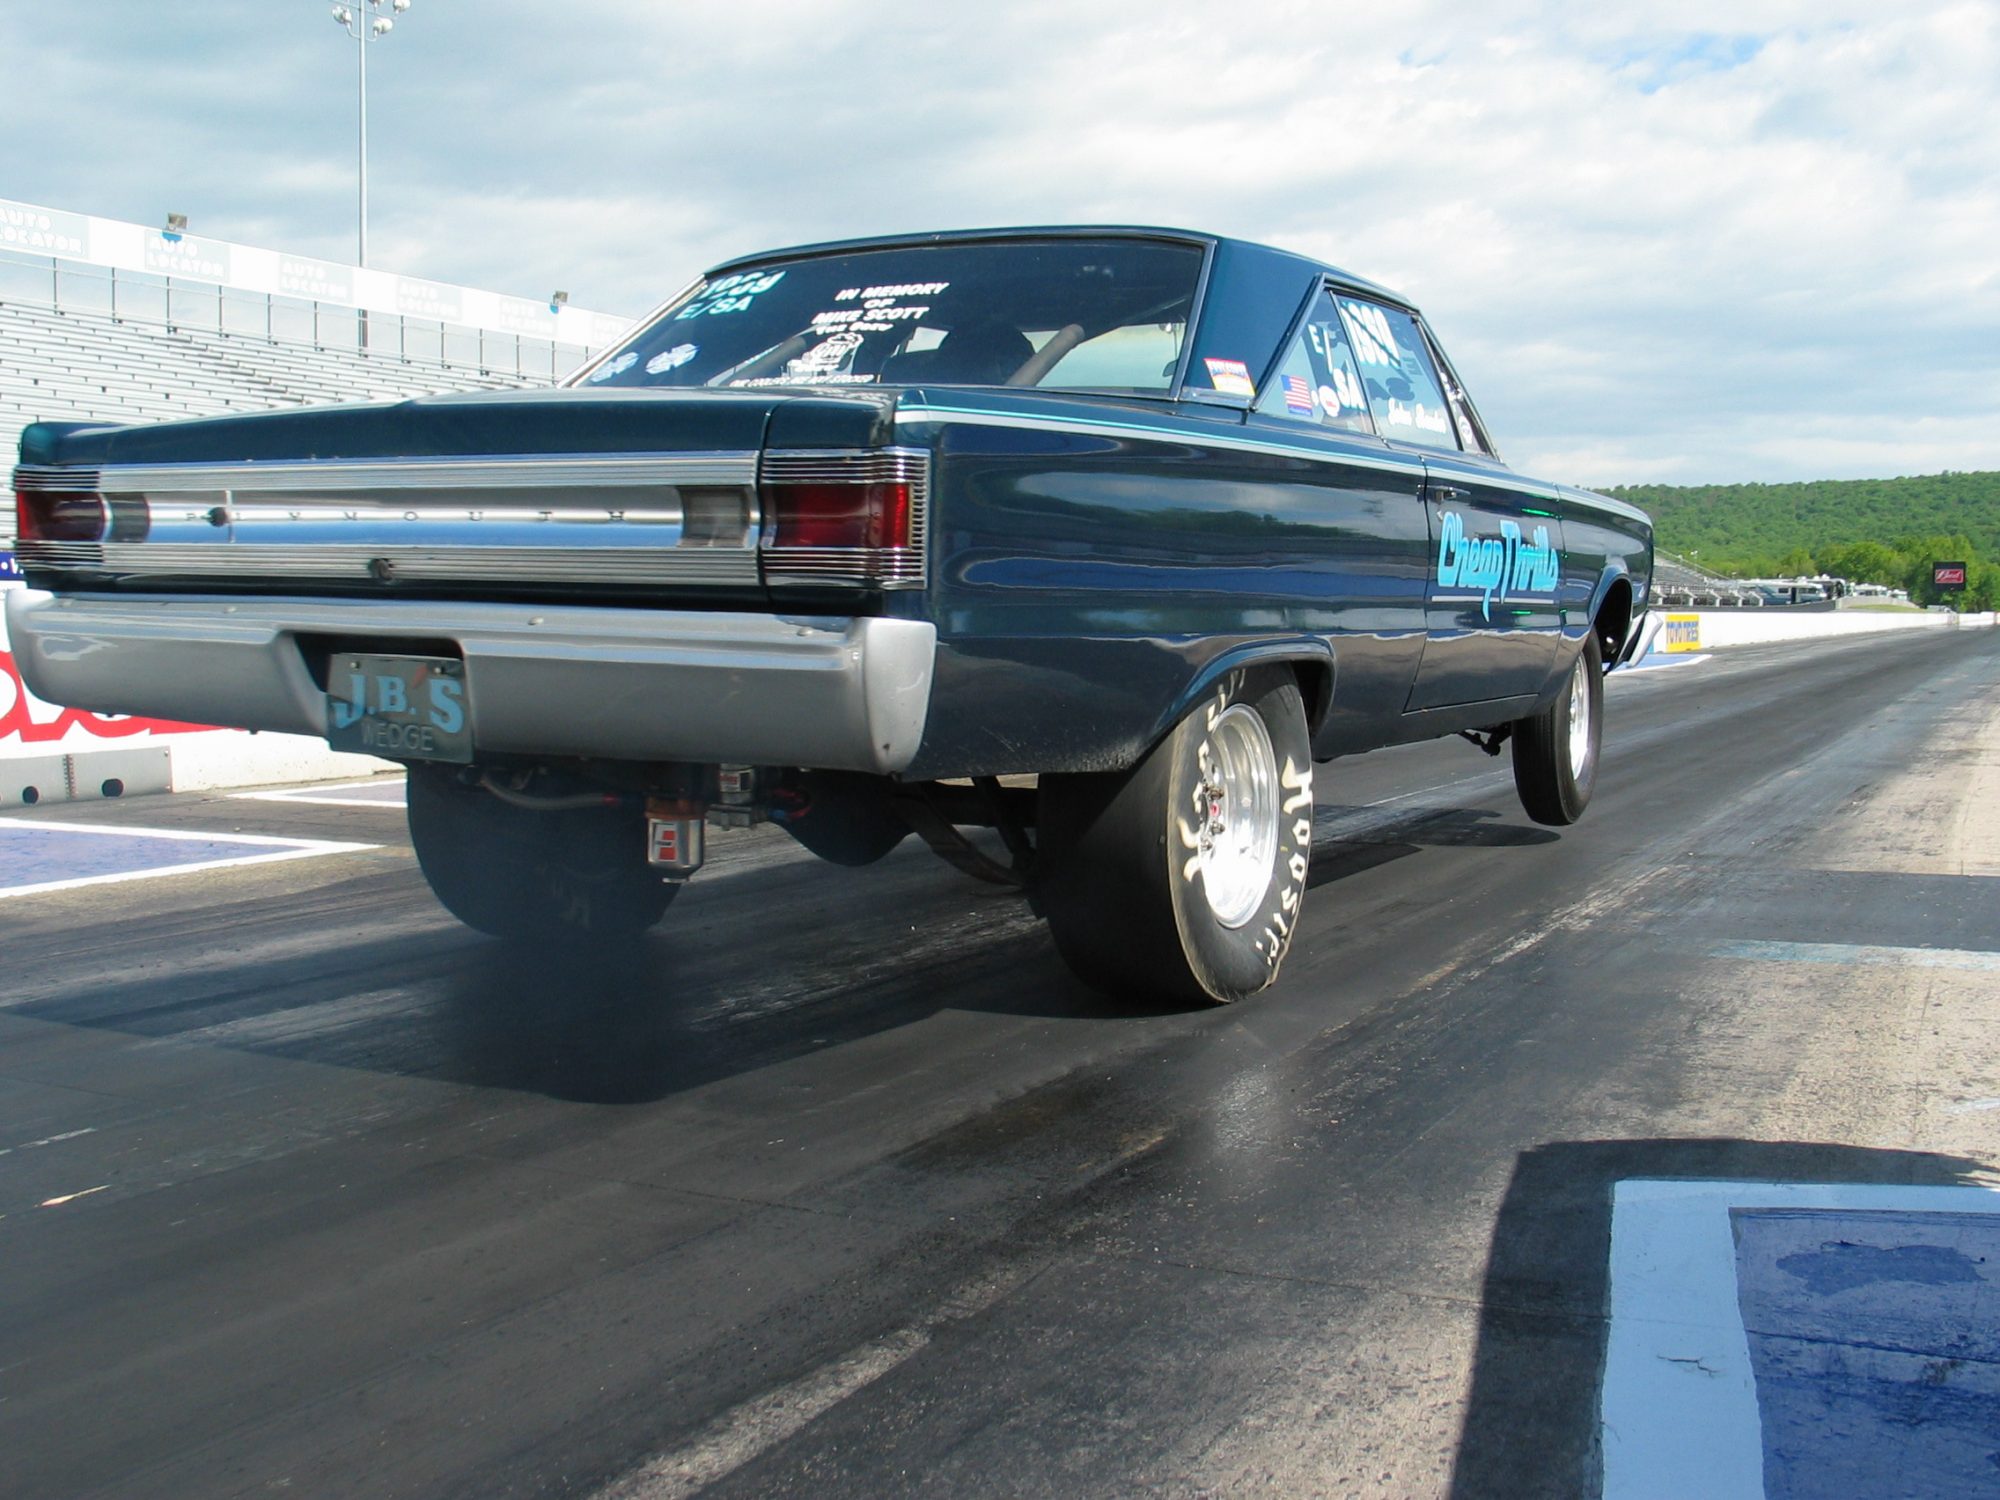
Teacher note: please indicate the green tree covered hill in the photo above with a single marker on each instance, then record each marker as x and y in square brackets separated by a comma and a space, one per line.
[1870, 530]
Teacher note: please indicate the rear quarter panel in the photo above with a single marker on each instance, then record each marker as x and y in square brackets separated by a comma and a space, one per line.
[1092, 560]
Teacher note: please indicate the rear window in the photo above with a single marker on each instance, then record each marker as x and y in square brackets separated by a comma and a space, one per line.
[1060, 314]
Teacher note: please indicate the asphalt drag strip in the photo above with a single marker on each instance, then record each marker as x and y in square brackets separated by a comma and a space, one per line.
[839, 1185]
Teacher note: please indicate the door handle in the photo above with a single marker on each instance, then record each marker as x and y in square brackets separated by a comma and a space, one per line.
[1443, 494]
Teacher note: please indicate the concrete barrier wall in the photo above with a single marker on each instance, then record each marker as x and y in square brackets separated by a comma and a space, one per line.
[1749, 627]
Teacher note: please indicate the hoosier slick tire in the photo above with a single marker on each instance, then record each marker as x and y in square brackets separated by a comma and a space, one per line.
[514, 873]
[1180, 881]
[1555, 751]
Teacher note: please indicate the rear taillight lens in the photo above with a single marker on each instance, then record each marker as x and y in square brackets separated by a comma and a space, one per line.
[838, 515]
[844, 517]
[60, 516]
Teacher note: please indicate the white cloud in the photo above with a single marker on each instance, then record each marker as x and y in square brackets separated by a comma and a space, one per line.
[1753, 239]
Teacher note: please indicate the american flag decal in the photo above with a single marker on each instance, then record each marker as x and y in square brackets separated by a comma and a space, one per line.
[1298, 396]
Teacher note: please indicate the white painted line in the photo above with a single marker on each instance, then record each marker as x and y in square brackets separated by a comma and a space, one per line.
[242, 861]
[1679, 1400]
[187, 835]
[1647, 664]
[1860, 953]
[50, 1140]
[742, 1433]
[281, 849]
[325, 794]
[72, 1197]
[754, 1427]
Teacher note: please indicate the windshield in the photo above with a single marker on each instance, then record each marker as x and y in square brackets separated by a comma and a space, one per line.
[1065, 314]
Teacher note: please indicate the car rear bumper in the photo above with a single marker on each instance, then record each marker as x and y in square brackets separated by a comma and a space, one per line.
[827, 692]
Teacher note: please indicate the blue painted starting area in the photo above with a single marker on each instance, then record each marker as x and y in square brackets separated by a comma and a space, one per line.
[1875, 1343]
[37, 857]
[1796, 1341]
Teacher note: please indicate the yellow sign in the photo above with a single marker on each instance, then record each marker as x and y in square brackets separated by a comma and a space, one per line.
[1682, 633]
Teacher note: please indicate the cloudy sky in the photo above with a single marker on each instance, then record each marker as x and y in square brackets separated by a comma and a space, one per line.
[1704, 241]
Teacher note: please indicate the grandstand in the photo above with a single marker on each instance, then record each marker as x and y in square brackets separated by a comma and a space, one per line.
[108, 321]
[1679, 584]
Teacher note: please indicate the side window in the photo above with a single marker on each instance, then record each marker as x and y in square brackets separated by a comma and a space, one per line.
[1471, 436]
[1318, 382]
[1397, 374]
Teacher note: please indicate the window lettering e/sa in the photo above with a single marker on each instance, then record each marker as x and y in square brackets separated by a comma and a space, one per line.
[1318, 381]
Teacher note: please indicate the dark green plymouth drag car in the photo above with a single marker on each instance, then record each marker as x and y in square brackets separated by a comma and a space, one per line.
[1098, 538]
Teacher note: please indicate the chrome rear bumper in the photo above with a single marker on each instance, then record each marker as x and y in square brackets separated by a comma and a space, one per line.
[826, 692]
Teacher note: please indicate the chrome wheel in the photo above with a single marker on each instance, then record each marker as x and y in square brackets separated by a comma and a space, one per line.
[1237, 805]
[1579, 716]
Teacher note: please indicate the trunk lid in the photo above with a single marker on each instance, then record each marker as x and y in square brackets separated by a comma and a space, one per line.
[636, 494]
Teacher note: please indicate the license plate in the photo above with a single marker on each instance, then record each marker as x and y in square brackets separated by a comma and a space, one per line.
[401, 707]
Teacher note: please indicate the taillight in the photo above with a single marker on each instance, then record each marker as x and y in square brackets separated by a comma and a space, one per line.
[845, 516]
[54, 503]
[838, 515]
[60, 516]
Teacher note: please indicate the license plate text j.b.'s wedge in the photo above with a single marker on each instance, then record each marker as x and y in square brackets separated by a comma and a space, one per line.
[402, 707]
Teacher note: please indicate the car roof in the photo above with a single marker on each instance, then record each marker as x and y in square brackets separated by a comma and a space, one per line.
[1258, 258]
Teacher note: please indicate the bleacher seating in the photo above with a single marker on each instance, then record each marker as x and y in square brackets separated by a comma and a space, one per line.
[57, 365]
[1682, 585]
[63, 365]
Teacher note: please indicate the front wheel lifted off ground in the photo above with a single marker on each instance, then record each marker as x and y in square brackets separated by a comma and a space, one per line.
[1555, 751]
[515, 872]
[1180, 880]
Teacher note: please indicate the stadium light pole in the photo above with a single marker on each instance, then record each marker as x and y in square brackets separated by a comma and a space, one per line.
[366, 23]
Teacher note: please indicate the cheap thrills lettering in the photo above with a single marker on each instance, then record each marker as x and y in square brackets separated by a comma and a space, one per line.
[26, 719]
[1507, 565]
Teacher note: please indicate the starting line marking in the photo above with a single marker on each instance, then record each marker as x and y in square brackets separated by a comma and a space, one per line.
[389, 793]
[81, 843]
[1679, 1402]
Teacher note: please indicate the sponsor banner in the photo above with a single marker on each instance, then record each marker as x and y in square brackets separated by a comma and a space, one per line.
[1681, 633]
[184, 255]
[429, 299]
[518, 315]
[43, 231]
[316, 280]
[1948, 576]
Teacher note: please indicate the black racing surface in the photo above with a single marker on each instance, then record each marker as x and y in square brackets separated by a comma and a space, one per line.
[373, 1206]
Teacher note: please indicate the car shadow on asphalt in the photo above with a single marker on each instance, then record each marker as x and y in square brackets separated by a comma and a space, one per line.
[608, 1028]
[1532, 1425]
[759, 969]
[1338, 858]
